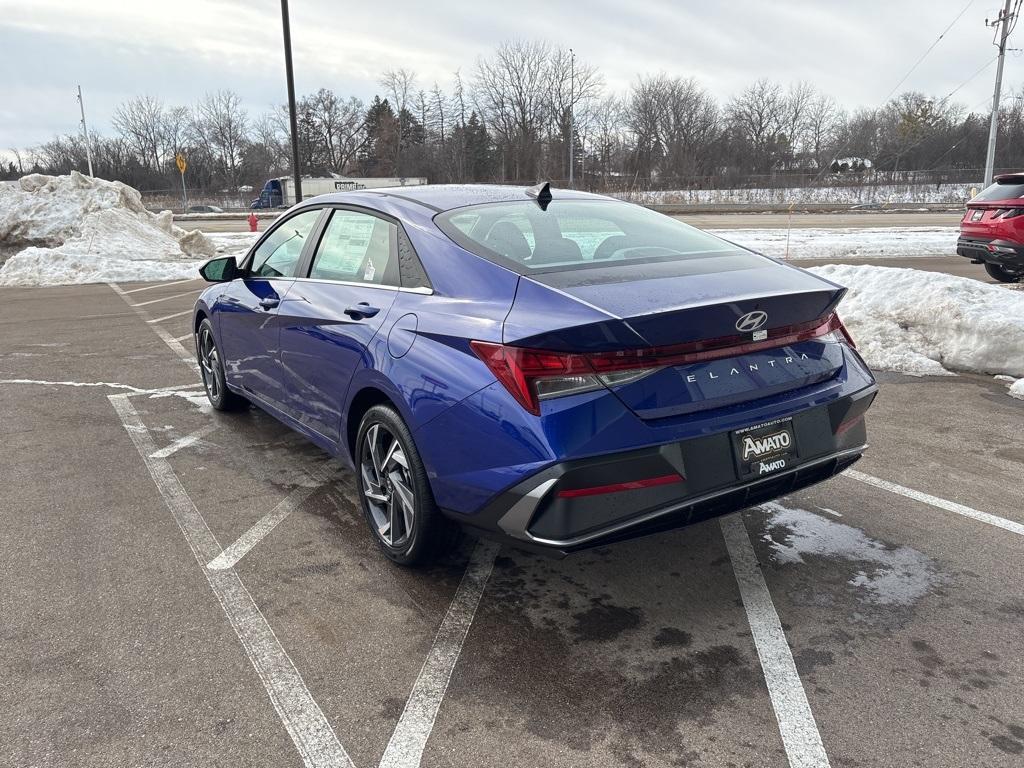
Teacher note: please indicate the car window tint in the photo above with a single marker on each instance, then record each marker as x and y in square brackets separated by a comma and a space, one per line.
[279, 253]
[588, 233]
[465, 221]
[575, 234]
[356, 247]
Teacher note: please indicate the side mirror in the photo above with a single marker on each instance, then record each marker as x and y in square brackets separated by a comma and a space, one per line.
[223, 269]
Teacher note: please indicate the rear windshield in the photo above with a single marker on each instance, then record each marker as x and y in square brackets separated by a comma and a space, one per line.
[575, 234]
[1000, 192]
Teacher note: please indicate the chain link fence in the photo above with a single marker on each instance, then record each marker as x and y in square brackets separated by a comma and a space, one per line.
[171, 199]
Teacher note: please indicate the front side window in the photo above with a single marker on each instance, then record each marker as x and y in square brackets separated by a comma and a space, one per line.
[278, 255]
[575, 234]
[357, 248]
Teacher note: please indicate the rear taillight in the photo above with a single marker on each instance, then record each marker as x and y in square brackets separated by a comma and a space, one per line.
[841, 328]
[532, 375]
[1013, 213]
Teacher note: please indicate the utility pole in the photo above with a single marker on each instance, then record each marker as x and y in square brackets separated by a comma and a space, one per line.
[572, 116]
[1004, 20]
[291, 100]
[85, 129]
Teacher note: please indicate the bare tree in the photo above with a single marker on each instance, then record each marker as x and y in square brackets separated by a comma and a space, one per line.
[572, 88]
[141, 122]
[271, 140]
[17, 156]
[176, 130]
[511, 120]
[513, 91]
[459, 150]
[399, 85]
[757, 116]
[824, 119]
[797, 106]
[609, 136]
[675, 121]
[222, 125]
[337, 127]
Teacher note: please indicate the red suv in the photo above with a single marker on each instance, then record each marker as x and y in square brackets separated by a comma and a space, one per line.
[992, 231]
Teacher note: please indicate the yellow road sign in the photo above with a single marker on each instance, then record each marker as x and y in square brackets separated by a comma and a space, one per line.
[182, 165]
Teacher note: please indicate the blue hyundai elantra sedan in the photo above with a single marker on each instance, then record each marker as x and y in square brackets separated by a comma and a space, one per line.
[553, 368]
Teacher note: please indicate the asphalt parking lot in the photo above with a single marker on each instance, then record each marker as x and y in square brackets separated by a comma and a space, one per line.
[185, 588]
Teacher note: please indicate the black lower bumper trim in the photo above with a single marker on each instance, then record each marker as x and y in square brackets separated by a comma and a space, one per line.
[546, 512]
[980, 250]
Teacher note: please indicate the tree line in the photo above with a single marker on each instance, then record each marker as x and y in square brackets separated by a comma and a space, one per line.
[514, 118]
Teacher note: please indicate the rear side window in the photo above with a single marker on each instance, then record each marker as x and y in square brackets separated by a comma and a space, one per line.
[574, 234]
[278, 255]
[1000, 192]
[357, 248]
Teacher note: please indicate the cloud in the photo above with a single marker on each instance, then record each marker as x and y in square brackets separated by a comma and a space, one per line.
[117, 50]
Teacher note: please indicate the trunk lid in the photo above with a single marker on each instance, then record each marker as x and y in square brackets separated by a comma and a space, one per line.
[659, 304]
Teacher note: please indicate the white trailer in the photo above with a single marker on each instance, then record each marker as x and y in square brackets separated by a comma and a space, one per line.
[280, 192]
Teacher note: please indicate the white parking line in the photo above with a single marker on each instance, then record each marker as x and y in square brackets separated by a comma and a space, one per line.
[405, 749]
[230, 556]
[169, 317]
[187, 336]
[799, 731]
[161, 285]
[183, 354]
[184, 442]
[305, 722]
[168, 298]
[935, 501]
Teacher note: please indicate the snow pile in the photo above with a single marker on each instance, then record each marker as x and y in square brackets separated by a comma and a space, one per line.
[235, 244]
[1017, 389]
[846, 242]
[928, 323]
[76, 229]
[865, 194]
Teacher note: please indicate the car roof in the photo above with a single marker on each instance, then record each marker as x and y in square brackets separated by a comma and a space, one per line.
[445, 197]
[1010, 178]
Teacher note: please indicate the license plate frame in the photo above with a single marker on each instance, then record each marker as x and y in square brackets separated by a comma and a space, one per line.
[765, 449]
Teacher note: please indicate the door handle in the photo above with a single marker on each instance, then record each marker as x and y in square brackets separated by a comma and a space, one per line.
[361, 310]
[269, 302]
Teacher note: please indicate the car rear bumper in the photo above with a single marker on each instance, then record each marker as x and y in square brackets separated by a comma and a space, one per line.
[590, 502]
[1005, 253]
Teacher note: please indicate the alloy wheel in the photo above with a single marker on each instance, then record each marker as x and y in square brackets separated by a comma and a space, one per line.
[208, 363]
[387, 486]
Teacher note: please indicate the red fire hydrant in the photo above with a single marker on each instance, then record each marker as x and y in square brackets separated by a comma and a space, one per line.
[253, 221]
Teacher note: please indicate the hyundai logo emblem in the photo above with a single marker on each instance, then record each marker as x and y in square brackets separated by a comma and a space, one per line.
[751, 321]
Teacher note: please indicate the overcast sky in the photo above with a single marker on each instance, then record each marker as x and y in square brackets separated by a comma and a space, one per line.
[117, 49]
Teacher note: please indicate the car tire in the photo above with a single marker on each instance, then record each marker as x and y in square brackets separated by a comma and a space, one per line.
[1002, 274]
[211, 369]
[395, 494]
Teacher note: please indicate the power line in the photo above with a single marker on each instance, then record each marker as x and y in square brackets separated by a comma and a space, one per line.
[961, 140]
[943, 100]
[846, 144]
[930, 49]
[984, 66]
